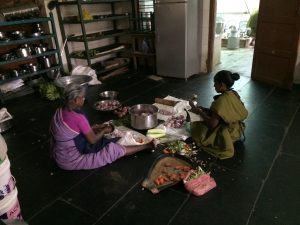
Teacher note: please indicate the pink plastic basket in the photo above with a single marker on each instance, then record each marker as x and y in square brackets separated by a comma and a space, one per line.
[200, 185]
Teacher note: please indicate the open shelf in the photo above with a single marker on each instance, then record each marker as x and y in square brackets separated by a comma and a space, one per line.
[49, 52]
[101, 18]
[91, 2]
[98, 52]
[41, 71]
[99, 35]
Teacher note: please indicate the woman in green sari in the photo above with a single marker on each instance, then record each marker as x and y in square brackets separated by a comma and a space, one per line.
[222, 123]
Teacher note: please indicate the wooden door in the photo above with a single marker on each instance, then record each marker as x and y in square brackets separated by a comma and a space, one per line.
[276, 43]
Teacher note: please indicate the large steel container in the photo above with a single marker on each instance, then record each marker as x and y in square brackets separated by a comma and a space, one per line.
[82, 80]
[143, 116]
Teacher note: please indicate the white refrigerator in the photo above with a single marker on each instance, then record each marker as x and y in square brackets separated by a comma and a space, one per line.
[176, 38]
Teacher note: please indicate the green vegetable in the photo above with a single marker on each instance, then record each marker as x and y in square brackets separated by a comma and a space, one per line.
[48, 90]
[155, 135]
[156, 131]
[196, 173]
[125, 121]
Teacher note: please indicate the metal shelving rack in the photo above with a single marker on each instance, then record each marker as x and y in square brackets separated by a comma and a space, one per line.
[12, 43]
[88, 53]
[143, 34]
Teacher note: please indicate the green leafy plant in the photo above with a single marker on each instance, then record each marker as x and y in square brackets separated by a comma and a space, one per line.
[252, 22]
[49, 90]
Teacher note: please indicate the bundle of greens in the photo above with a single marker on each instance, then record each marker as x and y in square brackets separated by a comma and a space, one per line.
[123, 121]
[49, 90]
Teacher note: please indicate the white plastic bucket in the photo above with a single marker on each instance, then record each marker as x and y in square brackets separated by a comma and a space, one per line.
[10, 207]
[7, 182]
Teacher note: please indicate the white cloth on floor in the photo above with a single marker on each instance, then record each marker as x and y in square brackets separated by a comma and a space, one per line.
[129, 137]
[178, 109]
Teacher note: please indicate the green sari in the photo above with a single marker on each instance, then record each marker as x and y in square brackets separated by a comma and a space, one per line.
[219, 141]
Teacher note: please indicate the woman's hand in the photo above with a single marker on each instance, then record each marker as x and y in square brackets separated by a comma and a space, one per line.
[192, 104]
[105, 127]
[108, 128]
[97, 132]
[195, 109]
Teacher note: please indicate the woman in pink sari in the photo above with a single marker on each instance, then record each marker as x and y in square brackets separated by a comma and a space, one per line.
[78, 146]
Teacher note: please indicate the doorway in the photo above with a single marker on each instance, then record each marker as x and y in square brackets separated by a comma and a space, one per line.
[234, 39]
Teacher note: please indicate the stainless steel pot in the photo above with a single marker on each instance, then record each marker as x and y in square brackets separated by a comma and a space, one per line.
[31, 67]
[23, 52]
[46, 62]
[4, 76]
[15, 73]
[6, 56]
[40, 49]
[82, 80]
[143, 116]
[2, 35]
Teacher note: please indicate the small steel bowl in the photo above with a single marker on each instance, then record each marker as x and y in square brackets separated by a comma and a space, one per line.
[6, 56]
[36, 34]
[109, 94]
[18, 34]
[2, 35]
[4, 76]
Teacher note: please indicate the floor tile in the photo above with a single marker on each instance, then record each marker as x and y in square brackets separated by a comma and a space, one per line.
[142, 207]
[110, 183]
[279, 202]
[229, 203]
[62, 213]
[113, 194]
[40, 181]
[292, 142]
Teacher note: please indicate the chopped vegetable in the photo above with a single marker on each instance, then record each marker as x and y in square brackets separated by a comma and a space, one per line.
[178, 147]
[196, 173]
[171, 173]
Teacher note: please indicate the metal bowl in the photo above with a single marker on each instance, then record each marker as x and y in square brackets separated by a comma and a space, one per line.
[2, 35]
[109, 94]
[107, 105]
[82, 80]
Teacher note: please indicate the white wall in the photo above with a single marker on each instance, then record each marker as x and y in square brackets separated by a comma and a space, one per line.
[203, 34]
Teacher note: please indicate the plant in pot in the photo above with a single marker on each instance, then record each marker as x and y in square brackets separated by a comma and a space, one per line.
[252, 24]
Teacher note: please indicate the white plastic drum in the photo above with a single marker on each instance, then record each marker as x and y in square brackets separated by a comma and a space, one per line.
[7, 182]
[10, 207]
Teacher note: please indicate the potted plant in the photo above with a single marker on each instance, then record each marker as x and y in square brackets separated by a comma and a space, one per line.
[252, 24]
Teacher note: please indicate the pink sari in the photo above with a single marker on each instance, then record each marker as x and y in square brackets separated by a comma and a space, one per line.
[68, 157]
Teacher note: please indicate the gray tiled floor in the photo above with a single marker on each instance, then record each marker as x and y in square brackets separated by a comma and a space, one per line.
[259, 185]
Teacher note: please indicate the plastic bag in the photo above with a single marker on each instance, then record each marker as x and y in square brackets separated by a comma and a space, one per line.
[129, 137]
